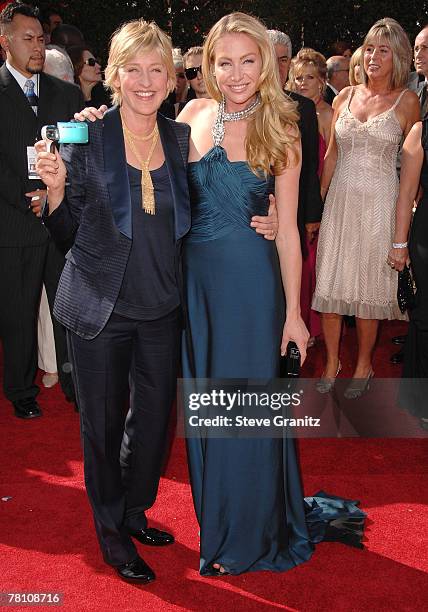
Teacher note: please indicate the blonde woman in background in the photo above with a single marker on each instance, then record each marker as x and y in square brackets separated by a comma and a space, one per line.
[355, 77]
[307, 76]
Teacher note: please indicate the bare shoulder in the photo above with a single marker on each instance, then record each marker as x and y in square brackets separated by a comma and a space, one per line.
[325, 111]
[341, 98]
[408, 110]
[194, 108]
[344, 93]
[409, 98]
[410, 95]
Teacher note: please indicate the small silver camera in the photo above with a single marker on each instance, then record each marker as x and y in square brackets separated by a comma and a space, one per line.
[65, 132]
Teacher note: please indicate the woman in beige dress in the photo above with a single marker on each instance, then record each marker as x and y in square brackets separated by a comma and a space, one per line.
[357, 228]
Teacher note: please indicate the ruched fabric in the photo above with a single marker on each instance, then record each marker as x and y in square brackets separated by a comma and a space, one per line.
[247, 492]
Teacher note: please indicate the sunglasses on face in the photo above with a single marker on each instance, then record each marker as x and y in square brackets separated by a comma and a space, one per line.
[192, 73]
[91, 61]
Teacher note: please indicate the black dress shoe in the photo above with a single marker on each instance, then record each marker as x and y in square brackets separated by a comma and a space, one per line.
[397, 358]
[152, 537]
[71, 399]
[136, 571]
[398, 339]
[27, 408]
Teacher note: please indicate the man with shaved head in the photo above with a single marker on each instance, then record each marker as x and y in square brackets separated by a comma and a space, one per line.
[337, 76]
[421, 66]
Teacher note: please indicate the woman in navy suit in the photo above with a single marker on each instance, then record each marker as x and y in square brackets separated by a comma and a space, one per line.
[126, 206]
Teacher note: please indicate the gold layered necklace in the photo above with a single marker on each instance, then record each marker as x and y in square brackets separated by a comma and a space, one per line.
[147, 190]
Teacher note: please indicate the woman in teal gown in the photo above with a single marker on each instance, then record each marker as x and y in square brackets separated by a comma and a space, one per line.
[247, 492]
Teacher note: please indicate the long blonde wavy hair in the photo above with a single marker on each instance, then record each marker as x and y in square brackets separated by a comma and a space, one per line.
[272, 134]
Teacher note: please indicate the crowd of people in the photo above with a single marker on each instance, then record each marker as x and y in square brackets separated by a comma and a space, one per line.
[276, 204]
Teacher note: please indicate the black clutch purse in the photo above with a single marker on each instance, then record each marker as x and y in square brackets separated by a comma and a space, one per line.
[292, 360]
[405, 290]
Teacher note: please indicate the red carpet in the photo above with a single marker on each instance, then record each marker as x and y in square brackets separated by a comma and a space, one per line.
[48, 544]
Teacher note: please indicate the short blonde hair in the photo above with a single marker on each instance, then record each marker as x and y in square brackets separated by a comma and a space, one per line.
[272, 130]
[191, 52]
[356, 59]
[390, 31]
[307, 57]
[137, 36]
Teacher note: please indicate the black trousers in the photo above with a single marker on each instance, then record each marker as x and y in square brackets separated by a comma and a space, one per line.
[129, 363]
[21, 274]
[23, 270]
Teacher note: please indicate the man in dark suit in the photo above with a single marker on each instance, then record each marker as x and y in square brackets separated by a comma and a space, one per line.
[29, 99]
[310, 204]
[421, 65]
[418, 83]
[337, 76]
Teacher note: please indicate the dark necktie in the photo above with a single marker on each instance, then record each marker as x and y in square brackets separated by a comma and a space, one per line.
[423, 100]
[31, 96]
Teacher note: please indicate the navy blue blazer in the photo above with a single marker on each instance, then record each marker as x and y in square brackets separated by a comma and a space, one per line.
[96, 212]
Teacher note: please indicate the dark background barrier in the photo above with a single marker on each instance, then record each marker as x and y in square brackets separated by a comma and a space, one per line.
[312, 23]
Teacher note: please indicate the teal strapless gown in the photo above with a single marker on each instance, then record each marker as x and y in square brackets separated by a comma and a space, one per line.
[247, 492]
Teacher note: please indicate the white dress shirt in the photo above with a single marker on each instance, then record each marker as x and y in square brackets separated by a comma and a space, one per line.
[23, 79]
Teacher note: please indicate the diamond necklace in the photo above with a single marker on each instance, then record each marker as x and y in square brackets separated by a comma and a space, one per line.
[222, 116]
